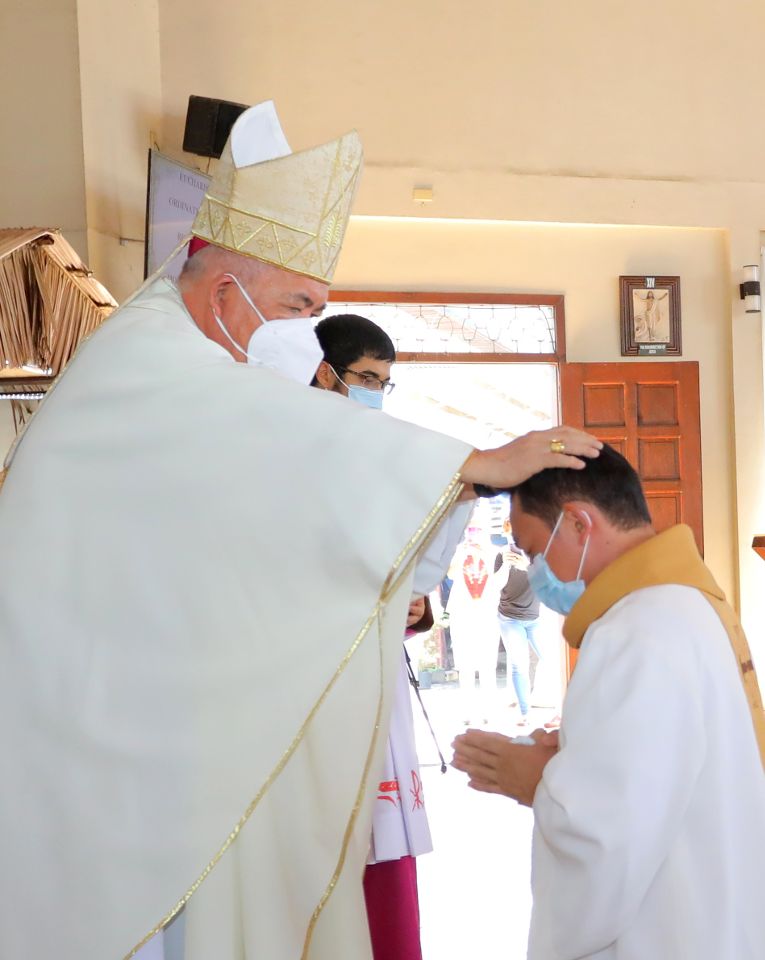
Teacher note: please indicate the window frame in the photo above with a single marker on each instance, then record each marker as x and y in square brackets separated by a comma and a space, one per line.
[556, 301]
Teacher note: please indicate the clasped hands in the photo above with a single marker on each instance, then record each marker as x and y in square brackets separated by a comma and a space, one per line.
[494, 764]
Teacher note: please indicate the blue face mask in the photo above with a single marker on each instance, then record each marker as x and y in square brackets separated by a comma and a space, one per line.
[559, 595]
[370, 398]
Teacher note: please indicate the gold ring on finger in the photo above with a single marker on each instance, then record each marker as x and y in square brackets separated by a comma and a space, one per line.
[557, 446]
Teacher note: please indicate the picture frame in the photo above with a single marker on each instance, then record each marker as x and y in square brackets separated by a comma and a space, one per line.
[650, 316]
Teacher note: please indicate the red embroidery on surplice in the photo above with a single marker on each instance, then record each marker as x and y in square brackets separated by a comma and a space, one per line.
[416, 792]
[387, 787]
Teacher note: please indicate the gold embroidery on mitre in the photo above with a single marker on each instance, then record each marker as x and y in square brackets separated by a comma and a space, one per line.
[305, 199]
[333, 230]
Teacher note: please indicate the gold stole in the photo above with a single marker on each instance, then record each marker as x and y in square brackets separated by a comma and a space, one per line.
[670, 557]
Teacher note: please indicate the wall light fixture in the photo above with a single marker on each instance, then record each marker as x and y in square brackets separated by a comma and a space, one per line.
[750, 288]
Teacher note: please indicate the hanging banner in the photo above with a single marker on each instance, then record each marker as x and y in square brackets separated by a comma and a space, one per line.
[174, 194]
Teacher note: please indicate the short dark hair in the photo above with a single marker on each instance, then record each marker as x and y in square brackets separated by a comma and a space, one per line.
[608, 481]
[347, 337]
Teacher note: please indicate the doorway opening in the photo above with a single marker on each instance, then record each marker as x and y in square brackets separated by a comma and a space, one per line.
[484, 369]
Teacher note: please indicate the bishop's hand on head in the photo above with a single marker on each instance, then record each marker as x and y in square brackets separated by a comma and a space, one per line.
[511, 464]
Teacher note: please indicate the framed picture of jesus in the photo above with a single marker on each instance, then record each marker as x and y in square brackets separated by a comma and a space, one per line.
[650, 316]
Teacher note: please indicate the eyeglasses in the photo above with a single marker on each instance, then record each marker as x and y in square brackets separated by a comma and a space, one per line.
[369, 380]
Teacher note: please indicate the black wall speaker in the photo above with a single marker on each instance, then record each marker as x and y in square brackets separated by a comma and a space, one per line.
[208, 124]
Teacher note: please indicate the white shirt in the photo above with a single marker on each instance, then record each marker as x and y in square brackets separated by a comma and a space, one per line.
[649, 839]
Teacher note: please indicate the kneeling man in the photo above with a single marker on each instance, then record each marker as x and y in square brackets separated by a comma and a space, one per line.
[649, 837]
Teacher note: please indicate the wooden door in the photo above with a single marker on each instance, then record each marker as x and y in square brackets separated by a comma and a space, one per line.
[650, 413]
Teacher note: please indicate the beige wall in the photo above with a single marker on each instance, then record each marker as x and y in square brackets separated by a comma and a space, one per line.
[545, 87]
[41, 160]
[583, 263]
[121, 115]
[82, 94]
[650, 91]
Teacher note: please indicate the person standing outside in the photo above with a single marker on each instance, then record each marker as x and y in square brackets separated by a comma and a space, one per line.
[472, 610]
[518, 614]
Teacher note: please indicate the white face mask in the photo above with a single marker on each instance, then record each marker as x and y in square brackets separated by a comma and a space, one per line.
[288, 346]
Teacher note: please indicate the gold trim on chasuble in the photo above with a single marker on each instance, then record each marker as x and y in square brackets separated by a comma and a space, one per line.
[669, 558]
[416, 542]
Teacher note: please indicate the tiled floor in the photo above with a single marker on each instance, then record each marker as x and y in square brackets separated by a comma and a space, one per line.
[474, 888]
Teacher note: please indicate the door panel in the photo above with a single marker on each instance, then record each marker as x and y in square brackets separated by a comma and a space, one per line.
[650, 413]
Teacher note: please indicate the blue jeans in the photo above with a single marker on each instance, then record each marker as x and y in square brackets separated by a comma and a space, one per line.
[520, 638]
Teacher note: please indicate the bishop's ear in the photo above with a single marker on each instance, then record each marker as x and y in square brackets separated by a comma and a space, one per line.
[218, 290]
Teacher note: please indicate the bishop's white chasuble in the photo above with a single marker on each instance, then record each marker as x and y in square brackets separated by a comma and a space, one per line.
[204, 581]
